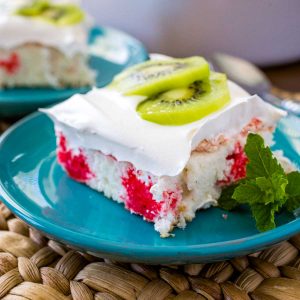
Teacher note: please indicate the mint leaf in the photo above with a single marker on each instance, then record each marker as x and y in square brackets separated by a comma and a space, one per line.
[292, 203]
[293, 191]
[226, 201]
[248, 193]
[293, 187]
[273, 188]
[262, 163]
[261, 190]
[266, 188]
[264, 216]
[264, 196]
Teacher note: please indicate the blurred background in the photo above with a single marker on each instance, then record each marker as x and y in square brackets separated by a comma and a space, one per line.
[266, 32]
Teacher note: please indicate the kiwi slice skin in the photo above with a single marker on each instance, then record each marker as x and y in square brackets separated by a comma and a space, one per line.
[186, 105]
[152, 77]
[57, 14]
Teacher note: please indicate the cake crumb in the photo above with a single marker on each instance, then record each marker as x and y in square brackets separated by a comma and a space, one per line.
[225, 216]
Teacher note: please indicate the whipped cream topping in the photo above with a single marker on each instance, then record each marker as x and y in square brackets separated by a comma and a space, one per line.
[18, 30]
[106, 120]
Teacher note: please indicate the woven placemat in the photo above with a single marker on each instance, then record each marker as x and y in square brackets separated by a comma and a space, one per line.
[33, 267]
[284, 94]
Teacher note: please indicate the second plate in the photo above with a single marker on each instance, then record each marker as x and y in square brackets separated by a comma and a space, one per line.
[110, 51]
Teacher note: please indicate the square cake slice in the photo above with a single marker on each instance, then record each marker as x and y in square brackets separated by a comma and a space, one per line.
[163, 172]
[43, 44]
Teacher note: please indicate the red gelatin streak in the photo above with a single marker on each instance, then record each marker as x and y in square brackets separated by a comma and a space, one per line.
[171, 198]
[240, 160]
[139, 199]
[11, 64]
[238, 168]
[75, 164]
[238, 157]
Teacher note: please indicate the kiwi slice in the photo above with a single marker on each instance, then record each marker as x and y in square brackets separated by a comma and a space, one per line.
[58, 14]
[63, 14]
[152, 77]
[185, 105]
[34, 9]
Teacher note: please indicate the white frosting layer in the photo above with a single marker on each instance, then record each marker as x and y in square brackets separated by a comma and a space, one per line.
[107, 121]
[17, 30]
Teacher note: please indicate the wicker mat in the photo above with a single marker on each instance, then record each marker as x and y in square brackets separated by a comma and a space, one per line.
[33, 267]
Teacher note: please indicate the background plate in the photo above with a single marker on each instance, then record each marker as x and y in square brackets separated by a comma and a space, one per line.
[36, 189]
[111, 51]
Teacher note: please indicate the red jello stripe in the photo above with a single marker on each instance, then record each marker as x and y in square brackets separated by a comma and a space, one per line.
[11, 65]
[75, 164]
[171, 198]
[238, 167]
[240, 160]
[139, 198]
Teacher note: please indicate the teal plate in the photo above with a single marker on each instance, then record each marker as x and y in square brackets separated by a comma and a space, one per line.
[110, 50]
[37, 190]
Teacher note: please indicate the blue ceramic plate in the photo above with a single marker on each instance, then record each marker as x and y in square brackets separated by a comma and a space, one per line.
[110, 50]
[36, 189]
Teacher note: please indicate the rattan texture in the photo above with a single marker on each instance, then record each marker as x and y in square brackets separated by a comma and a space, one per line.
[33, 267]
[284, 94]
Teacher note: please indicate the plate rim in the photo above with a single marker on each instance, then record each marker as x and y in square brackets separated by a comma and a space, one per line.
[187, 253]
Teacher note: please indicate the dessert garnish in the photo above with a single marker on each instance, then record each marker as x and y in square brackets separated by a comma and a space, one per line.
[184, 105]
[267, 188]
[153, 77]
[58, 14]
[179, 91]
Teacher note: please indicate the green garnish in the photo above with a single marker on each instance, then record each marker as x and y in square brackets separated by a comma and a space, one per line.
[266, 188]
[55, 13]
[226, 201]
[293, 191]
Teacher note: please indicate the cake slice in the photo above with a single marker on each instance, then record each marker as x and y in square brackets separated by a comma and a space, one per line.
[151, 153]
[43, 44]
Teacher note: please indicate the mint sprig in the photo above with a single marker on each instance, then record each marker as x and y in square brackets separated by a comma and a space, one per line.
[262, 162]
[226, 201]
[293, 191]
[266, 188]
